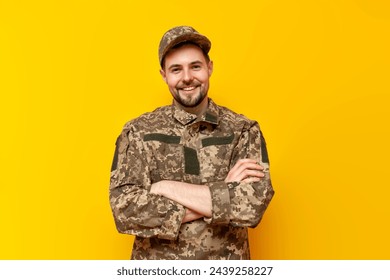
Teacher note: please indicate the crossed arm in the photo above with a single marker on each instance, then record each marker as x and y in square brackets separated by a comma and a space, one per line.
[144, 208]
[197, 198]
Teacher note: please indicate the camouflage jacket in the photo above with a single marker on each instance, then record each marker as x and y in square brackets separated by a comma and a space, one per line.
[171, 144]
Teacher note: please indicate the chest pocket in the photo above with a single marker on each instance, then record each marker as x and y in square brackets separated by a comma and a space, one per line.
[165, 156]
[215, 156]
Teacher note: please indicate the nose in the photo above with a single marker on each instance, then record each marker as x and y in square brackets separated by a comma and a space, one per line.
[187, 76]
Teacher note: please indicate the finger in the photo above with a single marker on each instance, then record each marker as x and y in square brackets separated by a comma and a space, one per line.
[240, 169]
[247, 173]
[238, 177]
[242, 162]
[251, 180]
[253, 173]
[247, 166]
[245, 161]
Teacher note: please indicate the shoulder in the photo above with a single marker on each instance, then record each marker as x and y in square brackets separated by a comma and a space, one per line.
[234, 119]
[150, 120]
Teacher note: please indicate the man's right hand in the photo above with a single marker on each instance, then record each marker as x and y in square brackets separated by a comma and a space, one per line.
[245, 170]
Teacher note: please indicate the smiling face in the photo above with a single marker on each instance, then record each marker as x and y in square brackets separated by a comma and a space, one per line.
[186, 72]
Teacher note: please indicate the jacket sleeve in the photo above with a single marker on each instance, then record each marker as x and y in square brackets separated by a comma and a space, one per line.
[238, 203]
[136, 211]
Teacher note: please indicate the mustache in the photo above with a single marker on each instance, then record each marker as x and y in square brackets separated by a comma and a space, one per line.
[183, 85]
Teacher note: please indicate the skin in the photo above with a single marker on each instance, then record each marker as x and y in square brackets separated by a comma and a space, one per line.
[187, 72]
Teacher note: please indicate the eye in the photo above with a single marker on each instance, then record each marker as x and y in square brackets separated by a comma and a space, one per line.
[175, 70]
[196, 67]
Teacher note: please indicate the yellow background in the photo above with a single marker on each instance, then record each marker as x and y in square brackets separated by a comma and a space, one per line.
[315, 74]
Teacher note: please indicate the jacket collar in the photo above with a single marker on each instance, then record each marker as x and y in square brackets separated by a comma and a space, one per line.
[210, 116]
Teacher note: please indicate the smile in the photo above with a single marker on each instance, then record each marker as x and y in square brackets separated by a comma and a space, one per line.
[188, 88]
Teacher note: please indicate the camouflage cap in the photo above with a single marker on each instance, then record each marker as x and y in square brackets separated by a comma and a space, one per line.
[181, 34]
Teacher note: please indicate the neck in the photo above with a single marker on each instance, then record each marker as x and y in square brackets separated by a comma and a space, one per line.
[198, 110]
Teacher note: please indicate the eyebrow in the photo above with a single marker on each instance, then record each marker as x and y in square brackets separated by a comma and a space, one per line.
[179, 65]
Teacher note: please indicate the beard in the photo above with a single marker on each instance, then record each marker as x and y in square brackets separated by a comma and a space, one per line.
[191, 100]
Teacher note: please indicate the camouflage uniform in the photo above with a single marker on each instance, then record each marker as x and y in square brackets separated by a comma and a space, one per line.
[171, 144]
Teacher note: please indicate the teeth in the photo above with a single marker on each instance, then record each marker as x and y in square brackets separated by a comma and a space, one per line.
[188, 88]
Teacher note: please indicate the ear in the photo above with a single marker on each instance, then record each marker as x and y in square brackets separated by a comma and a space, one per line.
[163, 75]
[210, 67]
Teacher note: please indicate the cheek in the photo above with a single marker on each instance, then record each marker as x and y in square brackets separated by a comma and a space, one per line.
[205, 83]
[172, 82]
[204, 78]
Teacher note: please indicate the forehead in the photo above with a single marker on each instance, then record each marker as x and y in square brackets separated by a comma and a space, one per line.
[185, 54]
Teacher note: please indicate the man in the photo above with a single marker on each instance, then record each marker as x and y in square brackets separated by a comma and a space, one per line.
[188, 179]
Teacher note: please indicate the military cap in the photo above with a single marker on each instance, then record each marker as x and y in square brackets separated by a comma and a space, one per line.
[180, 34]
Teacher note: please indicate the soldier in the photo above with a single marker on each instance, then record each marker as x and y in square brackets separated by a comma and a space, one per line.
[189, 179]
